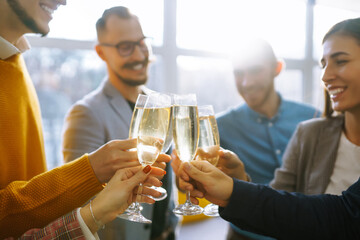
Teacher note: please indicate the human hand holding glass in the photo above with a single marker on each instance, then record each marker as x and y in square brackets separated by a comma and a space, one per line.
[186, 137]
[209, 145]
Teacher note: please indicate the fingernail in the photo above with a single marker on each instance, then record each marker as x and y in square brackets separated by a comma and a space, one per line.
[164, 172]
[147, 169]
[161, 183]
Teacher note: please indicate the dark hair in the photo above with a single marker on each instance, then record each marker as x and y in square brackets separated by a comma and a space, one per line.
[349, 27]
[120, 11]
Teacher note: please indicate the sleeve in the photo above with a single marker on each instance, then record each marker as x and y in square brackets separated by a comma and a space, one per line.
[66, 227]
[286, 176]
[87, 233]
[42, 199]
[284, 215]
[83, 132]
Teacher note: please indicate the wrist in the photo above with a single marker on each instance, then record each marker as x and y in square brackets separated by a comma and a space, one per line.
[87, 217]
[228, 190]
[99, 224]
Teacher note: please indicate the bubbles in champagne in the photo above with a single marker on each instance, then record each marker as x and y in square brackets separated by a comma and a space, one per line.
[209, 144]
[152, 131]
[148, 149]
[186, 131]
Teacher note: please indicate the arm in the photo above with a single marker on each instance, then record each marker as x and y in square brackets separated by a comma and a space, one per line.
[28, 204]
[294, 216]
[66, 226]
[280, 214]
[113, 200]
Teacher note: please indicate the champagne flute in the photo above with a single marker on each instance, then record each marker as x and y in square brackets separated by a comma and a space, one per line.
[133, 132]
[152, 132]
[186, 137]
[209, 145]
[165, 149]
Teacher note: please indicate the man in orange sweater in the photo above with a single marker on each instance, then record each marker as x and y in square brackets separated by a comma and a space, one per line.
[30, 197]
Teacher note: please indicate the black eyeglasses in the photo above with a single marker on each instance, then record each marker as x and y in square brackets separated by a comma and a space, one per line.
[126, 48]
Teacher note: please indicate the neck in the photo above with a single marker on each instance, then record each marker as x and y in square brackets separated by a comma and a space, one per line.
[128, 92]
[352, 126]
[270, 106]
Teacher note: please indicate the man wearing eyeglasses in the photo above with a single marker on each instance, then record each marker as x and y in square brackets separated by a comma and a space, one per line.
[105, 114]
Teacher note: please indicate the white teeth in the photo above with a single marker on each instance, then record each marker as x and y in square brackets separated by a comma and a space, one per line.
[138, 67]
[335, 91]
[47, 9]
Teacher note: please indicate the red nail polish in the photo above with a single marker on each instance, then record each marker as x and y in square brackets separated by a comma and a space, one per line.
[147, 169]
[164, 172]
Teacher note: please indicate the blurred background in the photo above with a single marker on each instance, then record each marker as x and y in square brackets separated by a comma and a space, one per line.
[191, 42]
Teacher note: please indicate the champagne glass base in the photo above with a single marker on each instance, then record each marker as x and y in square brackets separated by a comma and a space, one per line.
[125, 215]
[138, 218]
[130, 210]
[211, 210]
[188, 209]
[162, 191]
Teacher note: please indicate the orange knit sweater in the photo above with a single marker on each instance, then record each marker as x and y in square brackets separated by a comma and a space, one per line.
[26, 203]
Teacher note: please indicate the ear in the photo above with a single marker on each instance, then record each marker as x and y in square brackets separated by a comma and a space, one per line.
[100, 52]
[279, 66]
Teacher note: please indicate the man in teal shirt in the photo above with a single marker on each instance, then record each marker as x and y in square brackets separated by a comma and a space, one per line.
[259, 130]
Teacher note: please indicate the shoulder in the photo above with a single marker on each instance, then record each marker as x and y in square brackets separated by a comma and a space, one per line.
[298, 111]
[297, 105]
[316, 124]
[230, 113]
[93, 100]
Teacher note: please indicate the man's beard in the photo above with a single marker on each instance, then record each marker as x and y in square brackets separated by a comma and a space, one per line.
[25, 18]
[131, 82]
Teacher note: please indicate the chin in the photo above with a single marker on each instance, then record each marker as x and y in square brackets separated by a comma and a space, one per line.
[339, 108]
[44, 31]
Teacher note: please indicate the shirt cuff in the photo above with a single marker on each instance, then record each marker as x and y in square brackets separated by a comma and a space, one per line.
[85, 229]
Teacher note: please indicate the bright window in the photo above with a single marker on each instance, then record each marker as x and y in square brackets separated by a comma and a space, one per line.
[77, 19]
[214, 25]
[211, 79]
[324, 18]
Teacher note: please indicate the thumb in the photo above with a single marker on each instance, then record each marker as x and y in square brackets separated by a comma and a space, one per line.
[194, 172]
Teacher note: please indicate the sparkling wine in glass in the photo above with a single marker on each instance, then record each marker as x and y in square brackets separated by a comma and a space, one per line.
[165, 149]
[152, 131]
[133, 133]
[186, 137]
[209, 146]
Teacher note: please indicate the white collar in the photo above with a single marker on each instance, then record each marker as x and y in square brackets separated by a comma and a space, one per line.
[8, 49]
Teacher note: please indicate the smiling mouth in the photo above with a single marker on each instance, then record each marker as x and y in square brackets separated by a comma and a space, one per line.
[138, 66]
[334, 92]
[47, 9]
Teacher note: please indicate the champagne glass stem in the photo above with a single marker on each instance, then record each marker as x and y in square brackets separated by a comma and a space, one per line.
[137, 216]
[188, 202]
[137, 204]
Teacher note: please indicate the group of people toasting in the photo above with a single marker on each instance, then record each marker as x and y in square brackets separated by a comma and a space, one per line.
[116, 146]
